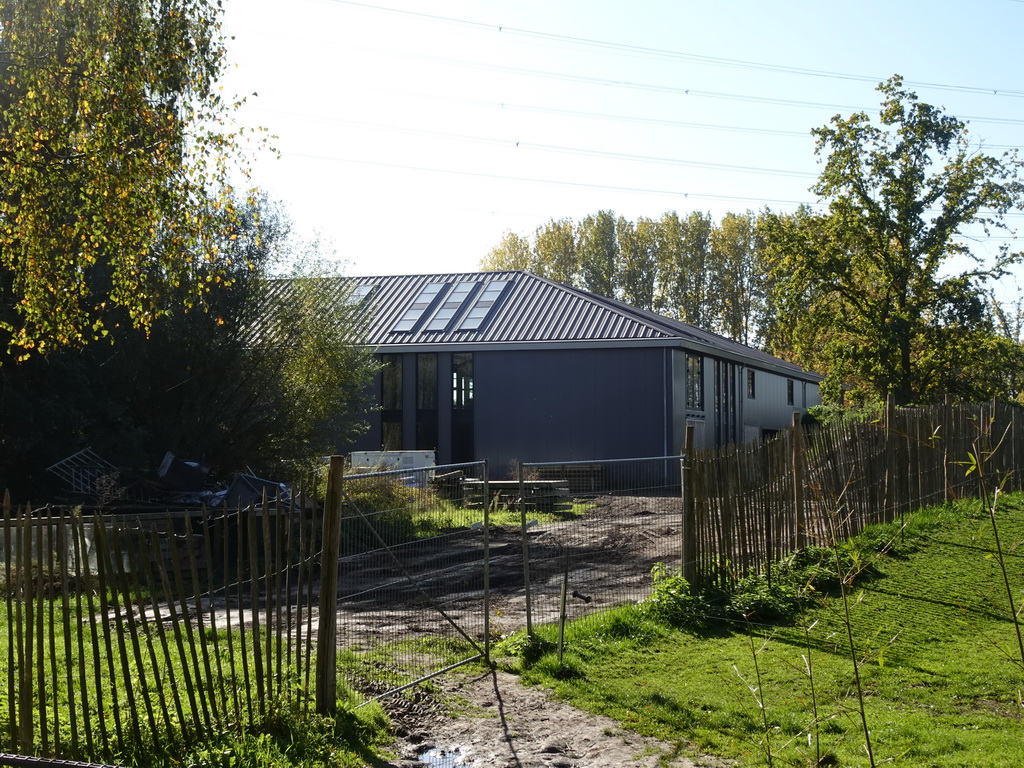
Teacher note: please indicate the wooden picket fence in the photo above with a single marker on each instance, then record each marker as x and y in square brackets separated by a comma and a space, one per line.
[122, 633]
[747, 505]
[128, 632]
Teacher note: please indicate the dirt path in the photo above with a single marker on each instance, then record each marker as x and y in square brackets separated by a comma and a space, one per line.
[507, 725]
[498, 723]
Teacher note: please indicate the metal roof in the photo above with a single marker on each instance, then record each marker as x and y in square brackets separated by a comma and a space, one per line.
[529, 311]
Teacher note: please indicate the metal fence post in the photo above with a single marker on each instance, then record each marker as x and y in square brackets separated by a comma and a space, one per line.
[526, 549]
[327, 631]
[487, 564]
[688, 526]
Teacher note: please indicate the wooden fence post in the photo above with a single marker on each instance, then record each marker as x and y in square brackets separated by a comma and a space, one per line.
[688, 529]
[327, 631]
[947, 436]
[797, 457]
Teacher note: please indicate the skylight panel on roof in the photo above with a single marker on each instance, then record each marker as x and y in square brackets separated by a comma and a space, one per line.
[451, 307]
[412, 315]
[359, 293]
[483, 305]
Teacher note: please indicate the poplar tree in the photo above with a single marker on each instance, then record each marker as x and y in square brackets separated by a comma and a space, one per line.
[598, 252]
[638, 270]
[737, 283]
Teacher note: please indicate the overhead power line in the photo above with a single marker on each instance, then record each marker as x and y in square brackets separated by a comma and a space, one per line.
[689, 195]
[654, 87]
[681, 55]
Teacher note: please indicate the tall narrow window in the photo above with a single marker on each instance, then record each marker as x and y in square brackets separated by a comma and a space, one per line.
[426, 401]
[462, 380]
[463, 424]
[391, 402]
[695, 383]
[751, 393]
[789, 391]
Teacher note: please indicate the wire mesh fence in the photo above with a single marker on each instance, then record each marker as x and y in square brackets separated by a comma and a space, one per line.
[412, 573]
[124, 629]
[592, 533]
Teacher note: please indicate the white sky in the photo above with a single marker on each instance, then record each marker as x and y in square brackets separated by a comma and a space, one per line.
[413, 135]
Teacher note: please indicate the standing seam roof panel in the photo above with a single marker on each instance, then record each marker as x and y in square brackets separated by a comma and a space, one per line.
[534, 309]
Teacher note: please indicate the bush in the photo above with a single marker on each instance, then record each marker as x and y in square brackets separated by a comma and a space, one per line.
[672, 601]
[758, 599]
[382, 502]
[380, 493]
[530, 648]
[812, 569]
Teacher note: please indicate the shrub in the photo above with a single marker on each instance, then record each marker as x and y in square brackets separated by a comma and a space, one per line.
[766, 601]
[379, 493]
[812, 569]
[382, 502]
[530, 648]
[672, 601]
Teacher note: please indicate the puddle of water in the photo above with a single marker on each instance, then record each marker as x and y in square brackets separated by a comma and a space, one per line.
[441, 758]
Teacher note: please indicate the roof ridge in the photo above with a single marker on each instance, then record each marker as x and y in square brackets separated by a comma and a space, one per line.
[544, 313]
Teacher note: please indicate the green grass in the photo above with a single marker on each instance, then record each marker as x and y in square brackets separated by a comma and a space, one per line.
[940, 669]
[284, 733]
[444, 516]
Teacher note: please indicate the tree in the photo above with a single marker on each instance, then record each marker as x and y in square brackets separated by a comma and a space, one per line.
[736, 277]
[273, 370]
[598, 251]
[638, 261]
[684, 261]
[112, 164]
[513, 252]
[554, 246]
[869, 292]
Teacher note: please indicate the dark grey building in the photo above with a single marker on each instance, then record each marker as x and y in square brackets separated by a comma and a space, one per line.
[510, 366]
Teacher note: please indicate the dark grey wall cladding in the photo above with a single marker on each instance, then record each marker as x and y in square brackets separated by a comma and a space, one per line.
[569, 405]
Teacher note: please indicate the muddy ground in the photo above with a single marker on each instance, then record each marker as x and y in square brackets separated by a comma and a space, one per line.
[502, 724]
[499, 722]
[605, 558]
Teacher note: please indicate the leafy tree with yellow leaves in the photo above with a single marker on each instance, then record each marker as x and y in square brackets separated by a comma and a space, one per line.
[114, 162]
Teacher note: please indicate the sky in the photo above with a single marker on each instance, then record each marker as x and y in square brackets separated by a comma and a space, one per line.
[413, 135]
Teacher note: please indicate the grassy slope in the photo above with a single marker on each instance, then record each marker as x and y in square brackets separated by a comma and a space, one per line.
[940, 668]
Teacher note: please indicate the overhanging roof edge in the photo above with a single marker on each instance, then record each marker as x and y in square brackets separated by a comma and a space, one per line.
[783, 369]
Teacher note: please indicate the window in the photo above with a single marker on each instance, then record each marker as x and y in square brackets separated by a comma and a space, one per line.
[426, 401]
[359, 294]
[483, 305]
[412, 315]
[751, 392]
[391, 402]
[695, 383]
[463, 425]
[462, 380]
[789, 391]
[450, 308]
